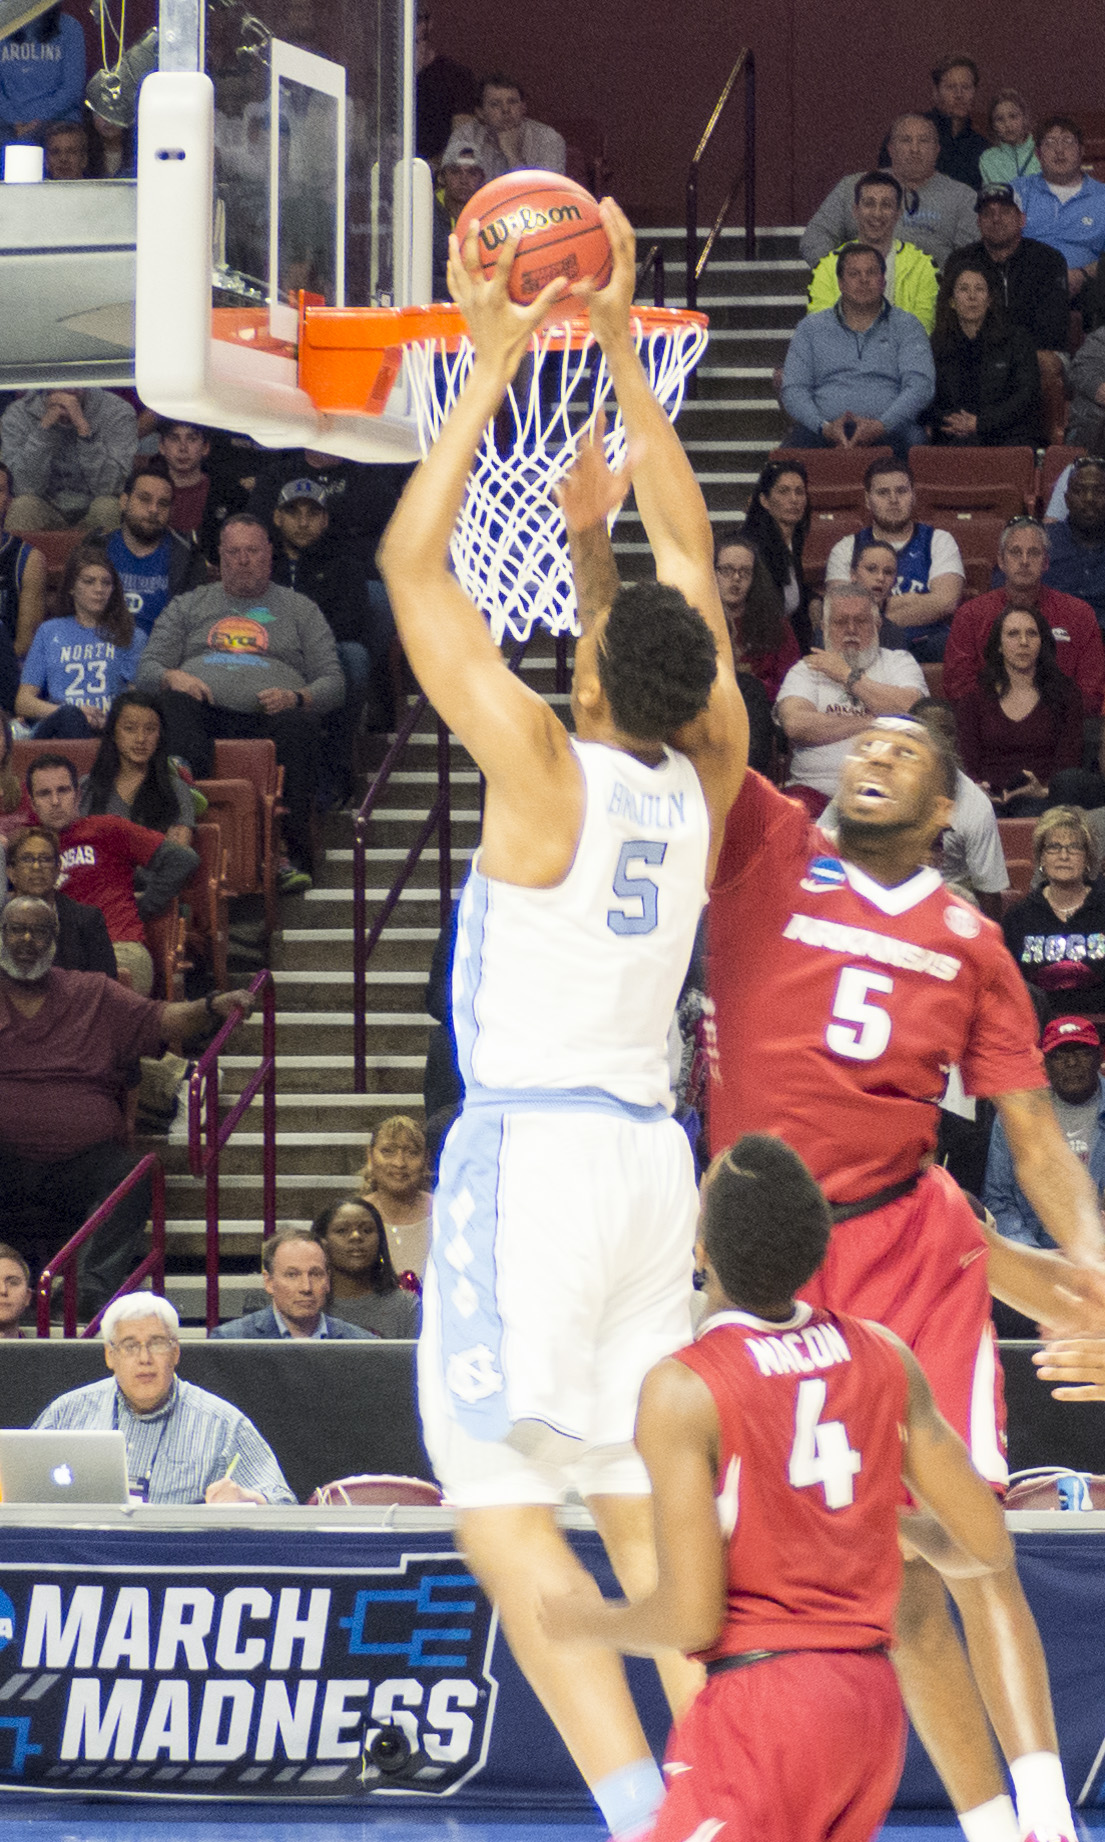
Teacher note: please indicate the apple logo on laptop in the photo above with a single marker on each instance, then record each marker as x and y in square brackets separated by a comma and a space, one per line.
[62, 1476]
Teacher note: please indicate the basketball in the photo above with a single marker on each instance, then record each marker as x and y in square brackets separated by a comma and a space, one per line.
[559, 224]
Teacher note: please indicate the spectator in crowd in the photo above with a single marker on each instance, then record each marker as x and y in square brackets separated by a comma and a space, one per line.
[954, 83]
[295, 1269]
[1023, 550]
[930, 578]
[1086, 417]
[1076, 565]
[969, 853]
[306, 558]
[34, 869]
[67, 1042]
[1062, 205]
[832, 694]
[874, 566]
[987, 375]
[184, 1444]
[506, 140]
[22, 580]
[360, 500]
[939, 213]
[247, 657]
[443, 89]
[132, 776]
[15, 1291]
[1029, 278]
[1057, 933]
[363, 1282]
[1014, 151]
[152, 561]
[861, 373]
[67, 150]
[1072, 1057]
[77, 664]
[394, 1179]
[778, 522]
[1022, 723]
[113, 150]
[99, 857]
[460, 177]
[16, 810]
[201, 501]
[69, 452]
[911, 278]
[762, 636]
[42, 72]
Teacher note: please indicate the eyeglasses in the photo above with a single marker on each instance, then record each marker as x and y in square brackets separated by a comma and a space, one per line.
[130, 1347]
[1063, 850]
[40, 935]
[35, 860]
[730, 571]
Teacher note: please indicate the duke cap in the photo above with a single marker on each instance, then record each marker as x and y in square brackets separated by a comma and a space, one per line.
[997, 195]
[302, 489]
[1065, 1032]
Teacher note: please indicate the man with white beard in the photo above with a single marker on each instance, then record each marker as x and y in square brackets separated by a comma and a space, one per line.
[832, 694]
[67, 1040]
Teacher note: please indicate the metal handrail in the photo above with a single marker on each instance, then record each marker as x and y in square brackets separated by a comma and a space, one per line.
[439, 819]
[653, 265]
[65, 1262]
[695, 263]
[204, 1124]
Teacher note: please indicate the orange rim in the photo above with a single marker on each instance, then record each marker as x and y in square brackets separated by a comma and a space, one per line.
[377, 328]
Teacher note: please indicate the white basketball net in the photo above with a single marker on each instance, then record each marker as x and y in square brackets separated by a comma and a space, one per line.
[510, 547]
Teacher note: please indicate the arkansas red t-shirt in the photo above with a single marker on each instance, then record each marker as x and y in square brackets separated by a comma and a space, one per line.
[98, 860]
[841, 1005]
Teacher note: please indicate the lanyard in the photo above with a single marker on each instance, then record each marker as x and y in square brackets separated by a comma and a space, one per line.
[139, 1488]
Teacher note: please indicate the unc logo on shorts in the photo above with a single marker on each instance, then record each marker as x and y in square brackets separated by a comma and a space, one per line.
[824, 873]
[472, 1375]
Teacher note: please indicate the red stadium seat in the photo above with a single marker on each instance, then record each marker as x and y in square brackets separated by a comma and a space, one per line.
[826, 529]
[977, 535]
[1016, 844]
[1054, 461]
[997, 480]
[835, 474]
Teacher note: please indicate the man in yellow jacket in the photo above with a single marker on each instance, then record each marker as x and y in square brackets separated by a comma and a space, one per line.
[911, 277]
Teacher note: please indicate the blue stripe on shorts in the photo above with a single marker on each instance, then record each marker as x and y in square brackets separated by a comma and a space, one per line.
[468, 969]
[466, 1221]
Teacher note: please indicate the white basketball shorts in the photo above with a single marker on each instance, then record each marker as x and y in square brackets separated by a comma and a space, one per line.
[560, 1272]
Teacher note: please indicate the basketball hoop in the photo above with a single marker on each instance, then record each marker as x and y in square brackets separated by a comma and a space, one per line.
[510, 547]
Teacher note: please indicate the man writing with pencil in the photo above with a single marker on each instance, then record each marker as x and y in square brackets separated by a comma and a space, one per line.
[184, 1445]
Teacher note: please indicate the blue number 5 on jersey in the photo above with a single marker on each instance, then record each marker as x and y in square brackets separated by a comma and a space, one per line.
[633, 889]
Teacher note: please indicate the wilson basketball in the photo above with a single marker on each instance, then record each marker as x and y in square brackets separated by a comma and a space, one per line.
[559, 225]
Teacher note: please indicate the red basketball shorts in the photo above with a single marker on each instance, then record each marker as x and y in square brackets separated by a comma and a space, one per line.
[919, 1266]
[799, 1748]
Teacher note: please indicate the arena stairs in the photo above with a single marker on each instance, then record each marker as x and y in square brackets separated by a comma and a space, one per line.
[322, 1125]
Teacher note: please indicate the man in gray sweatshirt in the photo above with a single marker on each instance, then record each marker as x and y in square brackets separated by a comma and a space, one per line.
[246, 657]
[938, 214]
[69, 452]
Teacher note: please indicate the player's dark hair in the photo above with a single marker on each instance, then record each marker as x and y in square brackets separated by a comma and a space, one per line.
[938, 745]
[657, 661]
[939, 719]
[765, 1224]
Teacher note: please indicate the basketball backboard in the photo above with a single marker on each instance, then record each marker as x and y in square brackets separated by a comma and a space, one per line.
[275, 153]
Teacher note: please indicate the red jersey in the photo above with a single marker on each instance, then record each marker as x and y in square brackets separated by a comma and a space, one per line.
[812, 1415]
[840, 1005]
[98, 861]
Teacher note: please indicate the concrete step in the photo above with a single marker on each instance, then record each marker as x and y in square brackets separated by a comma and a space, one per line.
[307, 1154]
[330, 948]
[389, 1075]
[319, 990]
[331, 1032]
[298, 1197]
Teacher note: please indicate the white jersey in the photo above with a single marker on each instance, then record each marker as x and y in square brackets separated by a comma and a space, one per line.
[574, 987]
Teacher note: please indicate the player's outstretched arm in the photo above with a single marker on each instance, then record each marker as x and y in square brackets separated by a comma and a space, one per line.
[444, 636]
[677, 1436]
[590, 490]
[937, 1468]
[1043, 1284]
[1057, 1185]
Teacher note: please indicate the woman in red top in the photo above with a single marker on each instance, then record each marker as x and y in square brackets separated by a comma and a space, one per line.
[1023, 722]
[762, 636]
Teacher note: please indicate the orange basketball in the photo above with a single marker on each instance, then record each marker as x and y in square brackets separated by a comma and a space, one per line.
[560, 227]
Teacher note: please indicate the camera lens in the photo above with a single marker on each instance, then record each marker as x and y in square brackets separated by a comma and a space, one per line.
[390, 1751]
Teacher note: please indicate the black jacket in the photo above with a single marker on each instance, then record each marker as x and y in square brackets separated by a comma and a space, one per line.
[1032, 286]
[330, 576]
[997, 378]
[83, 941]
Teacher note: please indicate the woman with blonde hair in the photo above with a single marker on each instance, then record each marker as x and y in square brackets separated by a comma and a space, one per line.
[394, 1176]
[1057, 933]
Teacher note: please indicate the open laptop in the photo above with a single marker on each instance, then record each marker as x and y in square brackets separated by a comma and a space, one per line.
[60, 1467]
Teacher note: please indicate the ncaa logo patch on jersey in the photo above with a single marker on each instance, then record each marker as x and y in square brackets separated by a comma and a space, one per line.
[824, 873]
[962, 921]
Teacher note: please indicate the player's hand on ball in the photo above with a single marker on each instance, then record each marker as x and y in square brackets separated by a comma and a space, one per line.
[500, 330]
[611, 306]
[570, 1617]
[591, 489]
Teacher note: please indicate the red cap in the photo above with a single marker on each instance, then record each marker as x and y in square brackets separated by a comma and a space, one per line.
[1064, 1032]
